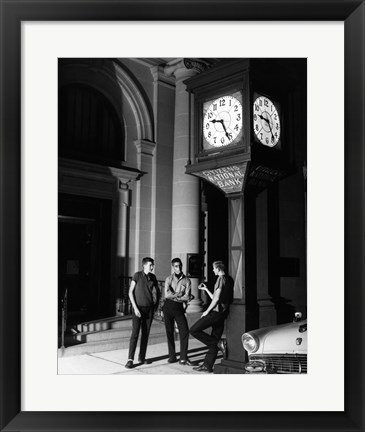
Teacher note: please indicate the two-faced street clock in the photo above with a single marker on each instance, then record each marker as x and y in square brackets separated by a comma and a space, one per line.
[239, 128]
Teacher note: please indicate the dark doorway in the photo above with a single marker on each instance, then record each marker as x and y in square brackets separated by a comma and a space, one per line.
[216, 243]
[84, 257]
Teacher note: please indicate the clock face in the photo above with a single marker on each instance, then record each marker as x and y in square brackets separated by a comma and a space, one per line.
[222, 121]
[266, 121]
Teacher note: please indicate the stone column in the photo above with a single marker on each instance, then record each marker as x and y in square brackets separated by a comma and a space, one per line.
[186, 190]
[145, 202]
[123, 203]
[267, 312]
[122, 200]
[163, 107]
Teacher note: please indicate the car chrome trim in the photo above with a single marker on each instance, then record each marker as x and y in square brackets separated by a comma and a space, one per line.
[283, 364]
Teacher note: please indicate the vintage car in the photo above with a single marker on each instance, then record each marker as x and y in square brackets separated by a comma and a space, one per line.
[277, 349]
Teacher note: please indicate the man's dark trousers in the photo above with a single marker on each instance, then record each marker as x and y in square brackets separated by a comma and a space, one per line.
[175, 311]
[137, 323]
[216, 321]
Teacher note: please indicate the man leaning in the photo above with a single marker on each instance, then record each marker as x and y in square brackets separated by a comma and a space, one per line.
[214, 317]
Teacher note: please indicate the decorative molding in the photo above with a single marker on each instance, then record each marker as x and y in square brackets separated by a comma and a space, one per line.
[123, 186]
[160, 77]
[198, 65]
[93, 179]
[152, 61]
[185, 67]
[145, 147]
[137, 101]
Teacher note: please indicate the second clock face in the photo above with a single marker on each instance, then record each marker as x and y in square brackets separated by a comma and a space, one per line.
[266, 121]
[222, 121]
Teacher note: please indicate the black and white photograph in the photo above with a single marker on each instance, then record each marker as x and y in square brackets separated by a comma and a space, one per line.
[181, 191]
[182, 228]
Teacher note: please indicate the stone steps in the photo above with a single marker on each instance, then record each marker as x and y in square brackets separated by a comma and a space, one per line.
[104, 324]
[112, 334]
[115, 333]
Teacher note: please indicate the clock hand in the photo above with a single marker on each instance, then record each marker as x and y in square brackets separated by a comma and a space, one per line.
[264, 118]
[268, 122]
[222, 123]
[271, 131]
[225, 130]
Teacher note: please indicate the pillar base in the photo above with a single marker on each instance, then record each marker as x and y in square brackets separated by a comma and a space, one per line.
[195, 308]
[195, 305]
[267, 313]
[192, 317]
[229, 367]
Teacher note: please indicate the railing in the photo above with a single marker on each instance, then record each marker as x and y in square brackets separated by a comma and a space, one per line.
[64, 319]
[123, 304]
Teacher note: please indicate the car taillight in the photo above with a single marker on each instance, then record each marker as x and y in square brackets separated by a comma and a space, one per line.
[250, 343]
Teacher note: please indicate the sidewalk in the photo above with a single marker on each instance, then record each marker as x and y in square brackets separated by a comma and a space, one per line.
[112, 362]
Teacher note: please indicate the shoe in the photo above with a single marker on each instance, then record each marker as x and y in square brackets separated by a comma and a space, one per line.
[144, 361]
[186, 362]
[222, 346]
[172, 360]
[203, 368]
[129, 364]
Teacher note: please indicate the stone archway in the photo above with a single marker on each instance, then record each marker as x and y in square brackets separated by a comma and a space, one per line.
[118, 86]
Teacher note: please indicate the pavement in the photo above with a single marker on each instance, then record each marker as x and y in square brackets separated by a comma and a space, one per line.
[113, 362]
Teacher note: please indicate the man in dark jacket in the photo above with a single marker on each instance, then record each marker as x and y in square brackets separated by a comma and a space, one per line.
[144, 296]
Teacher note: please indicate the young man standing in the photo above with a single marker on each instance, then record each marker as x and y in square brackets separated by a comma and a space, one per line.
[177, 294]
[144, 296]
[214, 317]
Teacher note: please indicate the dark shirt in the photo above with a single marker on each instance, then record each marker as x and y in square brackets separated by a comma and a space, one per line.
[225, 299]
[146, 291]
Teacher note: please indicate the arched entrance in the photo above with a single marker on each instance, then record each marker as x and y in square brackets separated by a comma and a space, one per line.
[101, 116]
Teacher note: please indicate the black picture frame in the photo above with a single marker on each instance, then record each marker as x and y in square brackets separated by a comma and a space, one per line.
[352, 13]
